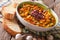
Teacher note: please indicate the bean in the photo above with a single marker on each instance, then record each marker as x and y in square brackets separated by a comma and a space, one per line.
[51, 24]
[22, 14]
[28, 16]
[26, 13]
[47, 26]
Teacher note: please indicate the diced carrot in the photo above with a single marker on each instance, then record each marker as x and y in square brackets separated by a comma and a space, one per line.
[32, 22]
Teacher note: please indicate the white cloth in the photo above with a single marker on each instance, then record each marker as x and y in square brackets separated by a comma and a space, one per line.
[7, 2]
[4, 3]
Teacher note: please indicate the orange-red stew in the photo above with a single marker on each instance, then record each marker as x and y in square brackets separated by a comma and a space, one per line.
[35, 15]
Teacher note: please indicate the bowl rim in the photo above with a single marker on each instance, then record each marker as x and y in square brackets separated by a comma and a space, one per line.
[33, 24]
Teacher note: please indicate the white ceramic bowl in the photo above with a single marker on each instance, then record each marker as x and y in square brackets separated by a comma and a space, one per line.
[34, 27]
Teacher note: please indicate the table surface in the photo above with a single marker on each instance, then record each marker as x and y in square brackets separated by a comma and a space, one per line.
[6, 36]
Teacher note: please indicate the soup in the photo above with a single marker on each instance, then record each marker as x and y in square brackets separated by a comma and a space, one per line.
[35, 15]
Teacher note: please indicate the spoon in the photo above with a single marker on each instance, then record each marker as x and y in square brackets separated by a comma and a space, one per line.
[50, 6]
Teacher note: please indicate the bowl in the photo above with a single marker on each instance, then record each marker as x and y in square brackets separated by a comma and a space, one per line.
[31, 26]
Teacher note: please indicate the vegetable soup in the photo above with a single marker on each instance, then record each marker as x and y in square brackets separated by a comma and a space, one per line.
[35, 15]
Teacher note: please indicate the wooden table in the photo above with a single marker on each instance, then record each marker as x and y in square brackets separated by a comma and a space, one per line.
[6, 36]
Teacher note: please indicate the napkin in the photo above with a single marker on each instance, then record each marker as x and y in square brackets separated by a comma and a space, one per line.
[4, 3]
